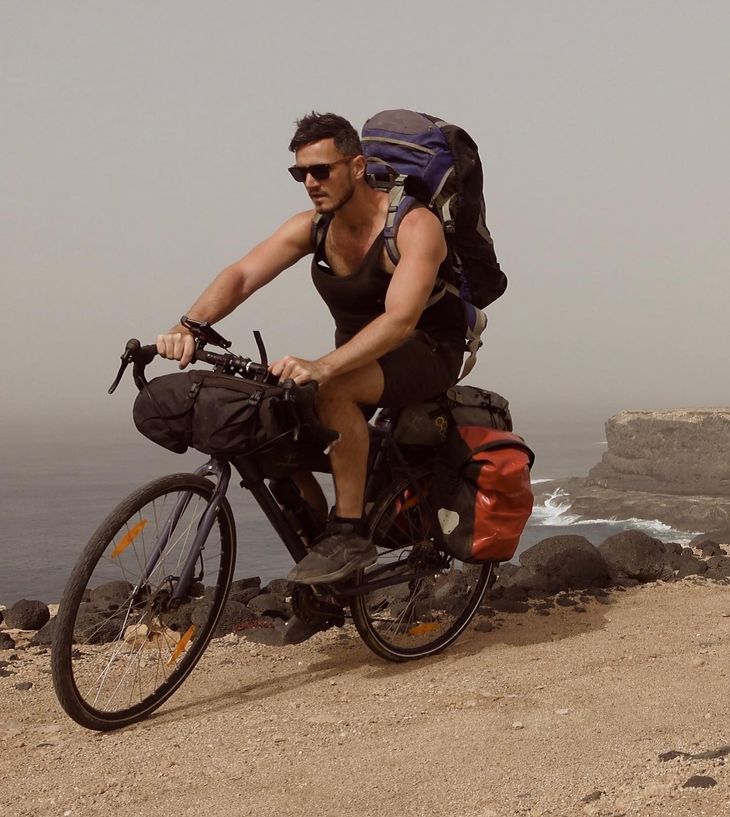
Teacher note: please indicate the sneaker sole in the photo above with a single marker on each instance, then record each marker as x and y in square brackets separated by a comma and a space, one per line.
[359, 563]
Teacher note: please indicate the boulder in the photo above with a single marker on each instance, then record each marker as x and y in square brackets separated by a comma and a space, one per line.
[27, 614]
[721, 537]
[561, 563]
[633, 554]
[282, 587]
[44, 636]
[96, 625]
[708, 548]
[718, 567]
[6, 642]
[244, 596]
[246, 584]
[270, 604]
[233, 615]
[690, 565]
[111, 594]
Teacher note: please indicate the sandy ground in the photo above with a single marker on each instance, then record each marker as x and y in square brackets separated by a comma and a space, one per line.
[558, 715]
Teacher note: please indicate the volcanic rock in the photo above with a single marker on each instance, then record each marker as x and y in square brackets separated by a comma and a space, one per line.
[562, 563]
[634, 555]
[27, 614]
[6, 642]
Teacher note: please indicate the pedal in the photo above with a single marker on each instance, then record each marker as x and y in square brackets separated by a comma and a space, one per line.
[314, 609]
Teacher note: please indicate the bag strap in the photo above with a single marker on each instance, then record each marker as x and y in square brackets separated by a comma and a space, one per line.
[497, 444]
[320, 222]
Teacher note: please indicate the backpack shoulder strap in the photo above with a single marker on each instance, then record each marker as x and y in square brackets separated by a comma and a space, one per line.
[476, 323]
[320, 223]
[398, 205]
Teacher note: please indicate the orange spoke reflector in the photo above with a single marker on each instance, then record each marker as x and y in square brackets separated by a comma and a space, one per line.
[411, 503]
[128, 538]
[422, 629]
[181, 644]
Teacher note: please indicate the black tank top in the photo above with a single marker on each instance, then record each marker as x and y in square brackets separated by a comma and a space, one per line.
[356, 299]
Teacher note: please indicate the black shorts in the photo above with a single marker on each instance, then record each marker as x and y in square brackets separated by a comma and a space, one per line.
[419, 369]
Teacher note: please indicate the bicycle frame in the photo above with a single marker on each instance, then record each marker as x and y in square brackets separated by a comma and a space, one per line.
[387, 452]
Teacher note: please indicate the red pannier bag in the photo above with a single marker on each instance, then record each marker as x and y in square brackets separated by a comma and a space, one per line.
[482, 490]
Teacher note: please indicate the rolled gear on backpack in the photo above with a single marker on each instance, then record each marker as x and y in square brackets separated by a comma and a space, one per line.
[482, 489]
[421, 158]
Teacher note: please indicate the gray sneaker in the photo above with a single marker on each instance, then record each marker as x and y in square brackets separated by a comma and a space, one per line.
[334, 559]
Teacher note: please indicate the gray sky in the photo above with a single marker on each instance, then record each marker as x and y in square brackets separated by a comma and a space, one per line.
[144, 148]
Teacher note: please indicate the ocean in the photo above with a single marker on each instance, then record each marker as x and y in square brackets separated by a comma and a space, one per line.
[58, 486]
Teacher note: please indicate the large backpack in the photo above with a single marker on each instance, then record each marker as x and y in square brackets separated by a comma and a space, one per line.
[421, 158]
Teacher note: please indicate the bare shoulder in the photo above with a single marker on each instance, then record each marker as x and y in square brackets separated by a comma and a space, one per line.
[299, 226]
[421, 228]
[419, 219]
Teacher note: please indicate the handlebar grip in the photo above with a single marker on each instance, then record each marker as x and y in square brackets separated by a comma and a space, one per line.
[147, 354]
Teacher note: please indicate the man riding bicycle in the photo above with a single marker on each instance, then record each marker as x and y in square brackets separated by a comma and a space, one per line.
[391, 348]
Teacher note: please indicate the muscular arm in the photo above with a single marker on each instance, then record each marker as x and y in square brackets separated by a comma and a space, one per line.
[422, 249]
[239, 281]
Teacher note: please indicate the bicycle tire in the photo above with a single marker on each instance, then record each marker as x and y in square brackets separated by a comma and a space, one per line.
[115, 668]
[420, 616]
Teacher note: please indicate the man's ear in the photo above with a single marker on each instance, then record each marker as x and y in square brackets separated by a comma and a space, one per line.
[360, 165]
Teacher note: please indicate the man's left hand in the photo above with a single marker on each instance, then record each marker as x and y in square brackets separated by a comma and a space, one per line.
[299, 370]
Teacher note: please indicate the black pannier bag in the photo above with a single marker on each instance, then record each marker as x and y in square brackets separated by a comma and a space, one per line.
[216, 414]
[481, 489]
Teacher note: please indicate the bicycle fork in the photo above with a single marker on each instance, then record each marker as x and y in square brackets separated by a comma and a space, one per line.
[221, 469]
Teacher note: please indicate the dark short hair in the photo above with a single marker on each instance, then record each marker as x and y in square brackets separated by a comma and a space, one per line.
[316, 126]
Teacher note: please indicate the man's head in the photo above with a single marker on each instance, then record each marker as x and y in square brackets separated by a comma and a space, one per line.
[317, 126]
[328, 159]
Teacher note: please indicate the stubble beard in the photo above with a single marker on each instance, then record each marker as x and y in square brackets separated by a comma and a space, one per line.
[329, 206]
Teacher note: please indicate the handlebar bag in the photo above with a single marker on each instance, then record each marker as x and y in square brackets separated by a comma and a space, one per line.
[482, 491]
[216, 414]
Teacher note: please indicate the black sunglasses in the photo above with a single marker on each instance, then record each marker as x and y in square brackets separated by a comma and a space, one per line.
[319, 172]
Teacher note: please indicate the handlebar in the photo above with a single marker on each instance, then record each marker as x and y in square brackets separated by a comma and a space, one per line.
[310, 428]
[140, 356]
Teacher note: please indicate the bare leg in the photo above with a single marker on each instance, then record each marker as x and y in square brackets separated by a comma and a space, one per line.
[311, 492]
[338, 407]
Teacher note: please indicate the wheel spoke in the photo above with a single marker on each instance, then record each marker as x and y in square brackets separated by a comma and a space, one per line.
[120, 650]
[438, 595]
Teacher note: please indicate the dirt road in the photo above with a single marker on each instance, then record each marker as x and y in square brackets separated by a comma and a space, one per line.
[557, 715]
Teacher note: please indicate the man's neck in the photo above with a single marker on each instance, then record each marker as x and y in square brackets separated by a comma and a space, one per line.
[366, 206]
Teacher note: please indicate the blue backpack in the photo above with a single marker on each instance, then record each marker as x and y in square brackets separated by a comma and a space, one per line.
[421, 158]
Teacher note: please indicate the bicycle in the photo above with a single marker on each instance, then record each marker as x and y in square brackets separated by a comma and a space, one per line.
[162, 562]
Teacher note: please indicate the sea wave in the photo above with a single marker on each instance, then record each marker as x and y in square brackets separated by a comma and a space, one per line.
[554, 512]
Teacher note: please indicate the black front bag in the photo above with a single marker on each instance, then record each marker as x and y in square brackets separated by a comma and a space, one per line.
[217, 414]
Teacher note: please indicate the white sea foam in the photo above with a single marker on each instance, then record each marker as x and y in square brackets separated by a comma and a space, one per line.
[554, 512]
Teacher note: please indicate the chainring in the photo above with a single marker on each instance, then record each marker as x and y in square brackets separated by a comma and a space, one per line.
[313, 609]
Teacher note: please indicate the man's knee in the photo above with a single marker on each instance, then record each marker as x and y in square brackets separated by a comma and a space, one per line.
[360, 386]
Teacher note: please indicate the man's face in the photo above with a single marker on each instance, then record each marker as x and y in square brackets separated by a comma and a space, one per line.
[329, 194]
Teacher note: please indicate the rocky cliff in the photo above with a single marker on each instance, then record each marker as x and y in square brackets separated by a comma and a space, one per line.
[671, 465]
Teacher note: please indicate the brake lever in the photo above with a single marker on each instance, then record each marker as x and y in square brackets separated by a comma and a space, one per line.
[132, 346]
[203, 331]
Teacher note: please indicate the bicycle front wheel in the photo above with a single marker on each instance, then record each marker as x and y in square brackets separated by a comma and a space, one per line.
[422, 599]
[119, 647]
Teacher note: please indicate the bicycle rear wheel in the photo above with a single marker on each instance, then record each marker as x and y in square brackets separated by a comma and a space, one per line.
[119, 650]
[427, 598]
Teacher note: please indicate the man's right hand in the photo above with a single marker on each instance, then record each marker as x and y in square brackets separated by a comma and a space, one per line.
[177, 345]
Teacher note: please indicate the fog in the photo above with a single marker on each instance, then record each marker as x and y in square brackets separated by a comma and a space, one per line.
[145, 147]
